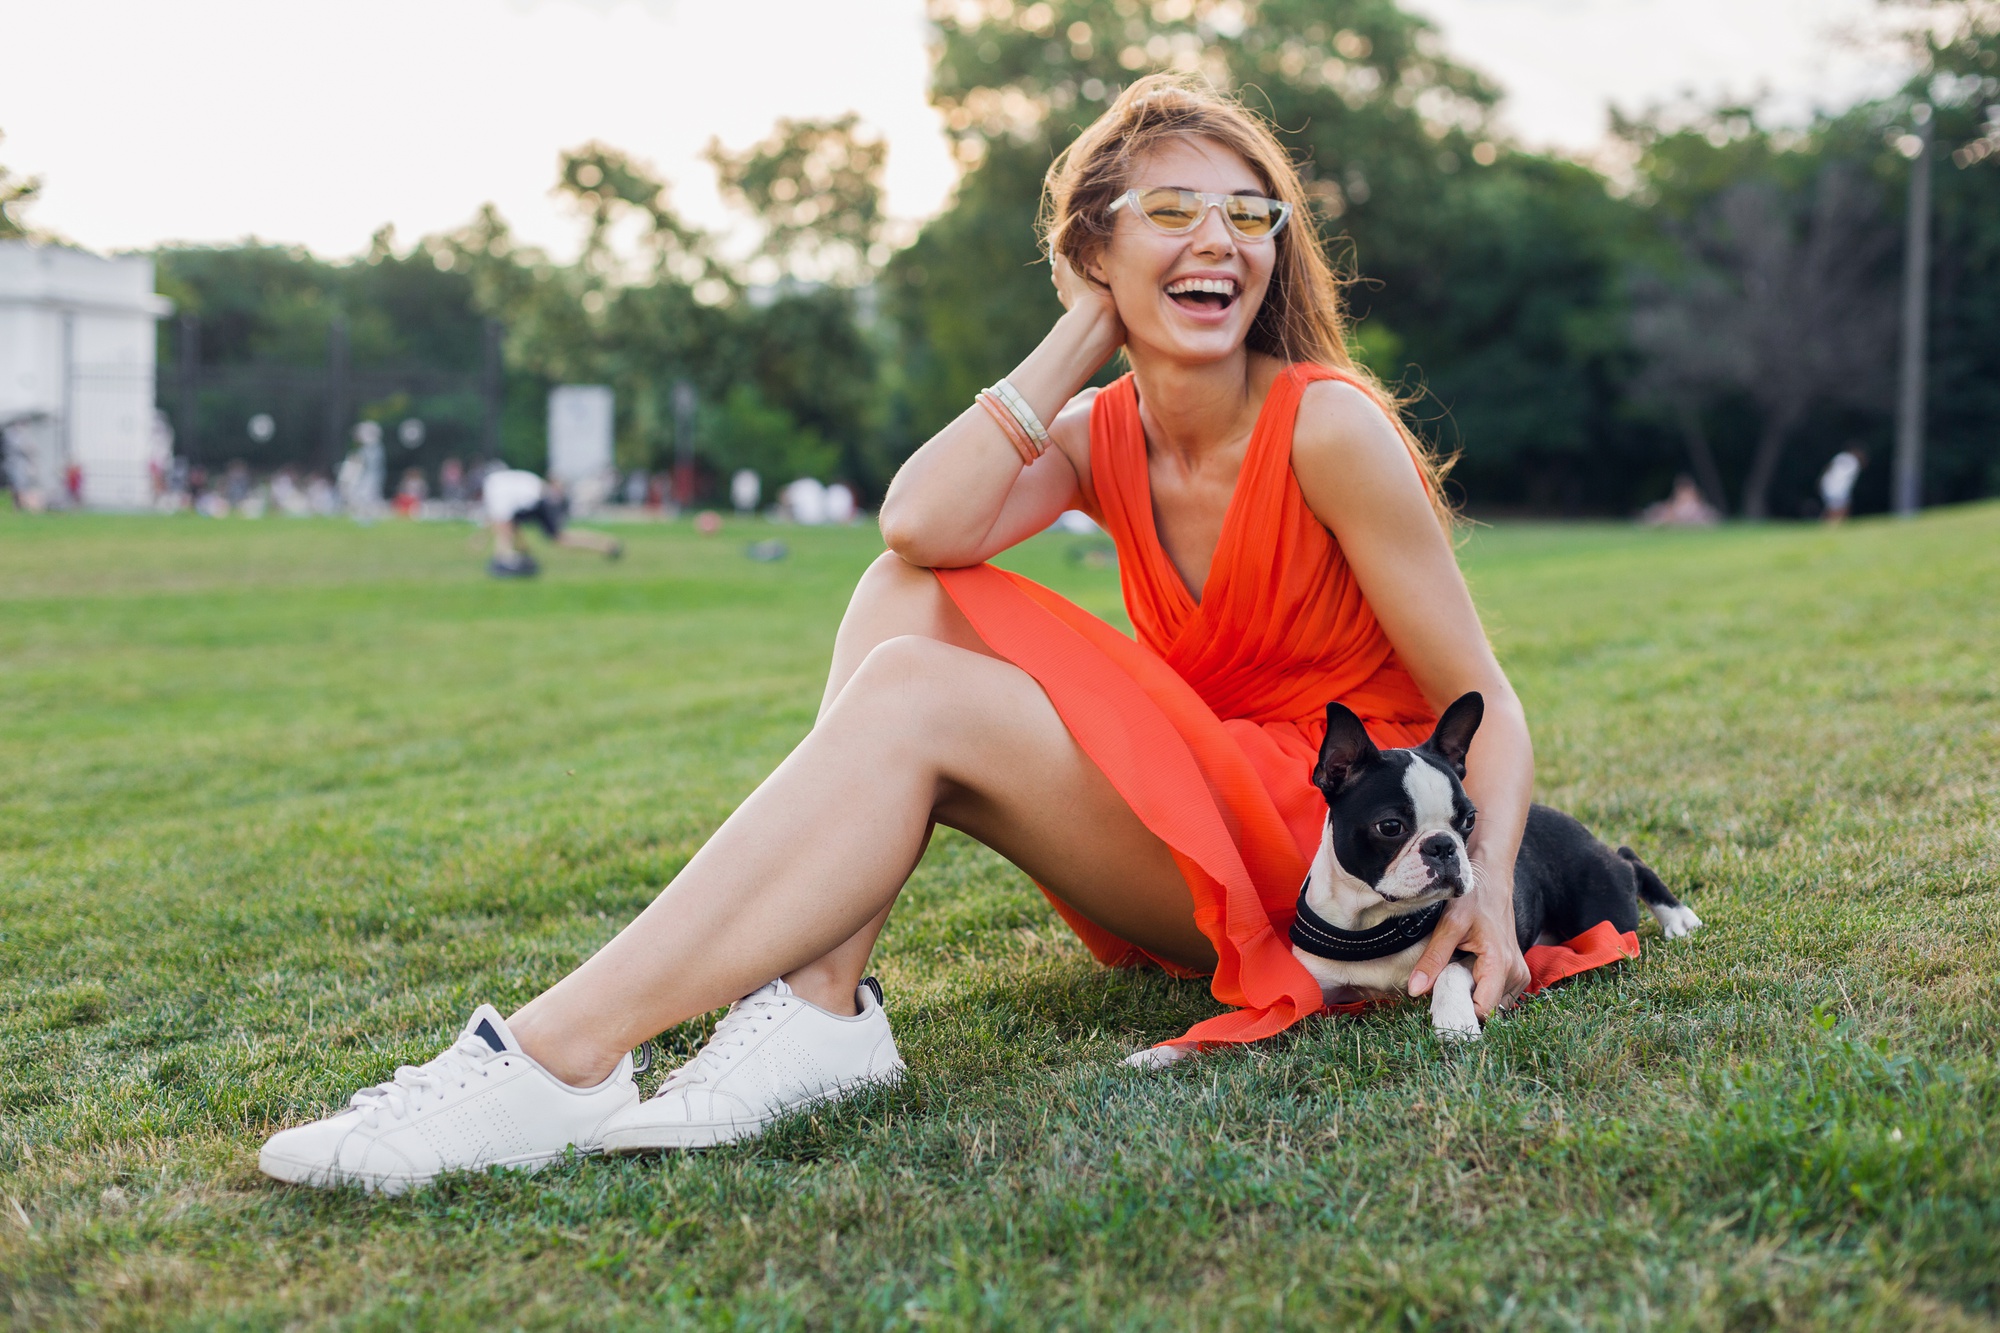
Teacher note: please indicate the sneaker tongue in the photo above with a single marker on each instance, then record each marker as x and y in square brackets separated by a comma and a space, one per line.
[487, 1025]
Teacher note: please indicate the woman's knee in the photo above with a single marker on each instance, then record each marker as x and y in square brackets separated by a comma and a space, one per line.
[918, 688]
[892, 583]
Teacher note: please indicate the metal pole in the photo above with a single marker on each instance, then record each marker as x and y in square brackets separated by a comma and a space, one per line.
[489, 390]
[684, 410]
[189, 363]
[336, 390]
[67, 434]
[1909, 478]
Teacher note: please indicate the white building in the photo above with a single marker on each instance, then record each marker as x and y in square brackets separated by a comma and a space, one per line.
[76, 371]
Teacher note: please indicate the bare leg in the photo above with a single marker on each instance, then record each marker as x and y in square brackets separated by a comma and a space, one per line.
[893, 598]
[505, 543]
[797, 881]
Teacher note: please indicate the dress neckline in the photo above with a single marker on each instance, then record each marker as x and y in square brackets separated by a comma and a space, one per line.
[1231, 519]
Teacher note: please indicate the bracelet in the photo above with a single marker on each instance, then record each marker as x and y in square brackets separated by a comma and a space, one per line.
[1008, 427]
[1011, 398]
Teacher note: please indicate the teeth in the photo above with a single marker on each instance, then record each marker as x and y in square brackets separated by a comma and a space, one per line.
[1219, 286]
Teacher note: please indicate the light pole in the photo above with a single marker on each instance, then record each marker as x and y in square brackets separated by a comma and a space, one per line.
[1909, 468]
[685, 404]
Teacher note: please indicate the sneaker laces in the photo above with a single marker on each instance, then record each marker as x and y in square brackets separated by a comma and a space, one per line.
[745, 1020]
[412, 1084]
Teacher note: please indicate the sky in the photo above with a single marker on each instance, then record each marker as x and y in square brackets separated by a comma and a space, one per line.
[315, 122]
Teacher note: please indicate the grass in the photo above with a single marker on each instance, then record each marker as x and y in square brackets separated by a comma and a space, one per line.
[280, 801]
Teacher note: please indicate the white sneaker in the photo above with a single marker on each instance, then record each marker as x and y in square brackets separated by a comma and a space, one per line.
[773, 1052]
[483, 1103]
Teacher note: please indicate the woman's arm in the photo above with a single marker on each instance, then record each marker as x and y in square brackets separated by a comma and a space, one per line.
[1356, 475]
[964, 497]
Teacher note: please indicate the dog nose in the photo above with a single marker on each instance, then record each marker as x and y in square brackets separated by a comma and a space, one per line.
[1438, 847]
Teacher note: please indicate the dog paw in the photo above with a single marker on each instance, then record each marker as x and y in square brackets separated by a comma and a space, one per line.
[1453, 1016]
[1157, 1057]
[1677, 922]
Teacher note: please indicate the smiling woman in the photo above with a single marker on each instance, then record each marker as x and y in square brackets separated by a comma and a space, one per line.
[1280, 546]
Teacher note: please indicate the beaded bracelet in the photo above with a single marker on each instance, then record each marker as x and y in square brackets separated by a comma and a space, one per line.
[1009, 427]
[1010, 397]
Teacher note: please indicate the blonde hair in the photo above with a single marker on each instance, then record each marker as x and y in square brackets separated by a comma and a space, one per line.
[1303, 317]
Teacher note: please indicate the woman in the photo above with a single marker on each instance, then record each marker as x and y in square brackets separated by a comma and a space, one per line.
[1281, 544]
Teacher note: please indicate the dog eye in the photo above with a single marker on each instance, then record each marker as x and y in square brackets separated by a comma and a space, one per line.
[1465, 824]
[1390, 828]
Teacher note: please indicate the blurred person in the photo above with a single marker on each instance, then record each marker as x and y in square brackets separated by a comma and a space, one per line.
[1282, 542]
[514, 497]
[236, 482]
[451, 485]
[804, 502]
[321, 498]
[1685, 508]
[1836, 484]
[73, 485]
[286, 495]
[841, 505]
[411, 492]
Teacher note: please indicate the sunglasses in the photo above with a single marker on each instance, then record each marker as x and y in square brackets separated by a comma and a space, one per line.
[1177, 212]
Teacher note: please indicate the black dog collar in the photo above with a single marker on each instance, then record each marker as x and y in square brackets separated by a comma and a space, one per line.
[1316, 935]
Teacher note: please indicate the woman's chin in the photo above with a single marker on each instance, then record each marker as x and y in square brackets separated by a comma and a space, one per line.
[1199, 346]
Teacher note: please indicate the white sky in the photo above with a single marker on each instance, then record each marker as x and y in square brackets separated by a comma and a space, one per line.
[314, 121]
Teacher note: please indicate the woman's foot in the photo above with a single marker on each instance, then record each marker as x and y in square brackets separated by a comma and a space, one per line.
[773, 1052]
[483, 1103]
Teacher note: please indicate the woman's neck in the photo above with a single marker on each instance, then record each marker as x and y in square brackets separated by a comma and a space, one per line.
[1189, 410]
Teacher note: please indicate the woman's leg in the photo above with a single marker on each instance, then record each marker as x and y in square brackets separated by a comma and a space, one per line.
[894, 598]
[798, 879]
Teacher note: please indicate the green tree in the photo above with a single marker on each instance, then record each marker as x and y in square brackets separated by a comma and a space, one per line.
[16, 193]
[816, 188]
[1960, 77]
[745, 431]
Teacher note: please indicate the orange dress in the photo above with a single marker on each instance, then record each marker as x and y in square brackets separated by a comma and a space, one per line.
[1209, 724]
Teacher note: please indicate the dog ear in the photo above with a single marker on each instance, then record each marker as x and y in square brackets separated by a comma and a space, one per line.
[1453, 736]
[1347, 743]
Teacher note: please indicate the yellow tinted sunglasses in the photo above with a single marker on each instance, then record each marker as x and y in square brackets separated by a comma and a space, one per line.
[1177, 212]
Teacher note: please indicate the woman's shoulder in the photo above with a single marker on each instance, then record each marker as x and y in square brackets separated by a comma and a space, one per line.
[1340, 416]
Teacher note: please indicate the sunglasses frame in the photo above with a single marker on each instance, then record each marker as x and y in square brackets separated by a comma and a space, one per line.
[1208, 201]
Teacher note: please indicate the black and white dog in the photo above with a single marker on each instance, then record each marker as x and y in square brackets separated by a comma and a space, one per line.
[1392, 856]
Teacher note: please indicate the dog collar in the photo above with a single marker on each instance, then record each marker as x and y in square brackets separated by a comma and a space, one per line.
[1321, 938]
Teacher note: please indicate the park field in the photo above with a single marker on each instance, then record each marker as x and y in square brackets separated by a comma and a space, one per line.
[281, 801]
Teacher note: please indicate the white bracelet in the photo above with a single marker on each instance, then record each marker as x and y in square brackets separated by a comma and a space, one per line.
[1011, 399]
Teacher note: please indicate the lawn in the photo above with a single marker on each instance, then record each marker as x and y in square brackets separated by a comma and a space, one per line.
[281, 801]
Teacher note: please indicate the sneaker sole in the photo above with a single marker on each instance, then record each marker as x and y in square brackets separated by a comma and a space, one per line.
[667, 1137]
[292, 1171]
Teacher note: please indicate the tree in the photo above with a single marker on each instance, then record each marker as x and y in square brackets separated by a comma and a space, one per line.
[1959, 75]
[16, 193]
[744, 431]
[816, 186]
[1783, 297]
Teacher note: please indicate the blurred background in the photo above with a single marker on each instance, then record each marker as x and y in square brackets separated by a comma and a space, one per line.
[312, 258]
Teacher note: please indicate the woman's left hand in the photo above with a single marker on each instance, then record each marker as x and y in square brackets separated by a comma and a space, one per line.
[1481, 924]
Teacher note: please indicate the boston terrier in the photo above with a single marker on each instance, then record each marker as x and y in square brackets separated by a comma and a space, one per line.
[1392, 856]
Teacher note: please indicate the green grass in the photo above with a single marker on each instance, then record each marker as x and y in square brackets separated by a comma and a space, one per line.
[279, 802]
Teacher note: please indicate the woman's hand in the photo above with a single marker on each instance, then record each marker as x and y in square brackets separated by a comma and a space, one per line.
[1481, 924]
[1090, 306]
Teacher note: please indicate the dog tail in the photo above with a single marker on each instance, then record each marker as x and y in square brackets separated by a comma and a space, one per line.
[1651, 887]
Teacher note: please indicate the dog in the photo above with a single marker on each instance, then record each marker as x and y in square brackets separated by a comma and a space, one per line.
[1392, 856]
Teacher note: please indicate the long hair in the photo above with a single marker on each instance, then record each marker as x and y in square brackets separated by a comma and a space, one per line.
[1303, 317]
